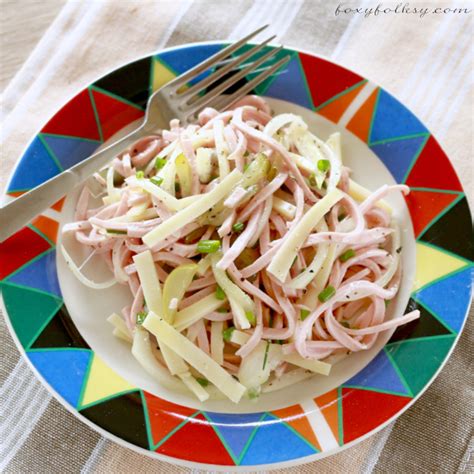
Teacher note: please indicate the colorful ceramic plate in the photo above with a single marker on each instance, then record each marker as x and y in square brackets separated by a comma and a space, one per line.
[61, 328]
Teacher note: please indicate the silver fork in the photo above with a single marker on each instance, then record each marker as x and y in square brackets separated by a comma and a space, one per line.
[171, 101]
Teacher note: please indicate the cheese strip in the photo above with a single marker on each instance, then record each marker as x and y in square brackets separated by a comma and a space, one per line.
[284, 208]
[196, 311]
[195, 357]
[194, 210]
[359, 193]
[194, 386]
[309, 364]
[283, 259]
[149, 280]
[217, 342]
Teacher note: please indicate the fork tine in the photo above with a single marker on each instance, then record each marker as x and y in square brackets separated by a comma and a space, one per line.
[224, 102]
[193, 72]
[224, 70]
[205, 99]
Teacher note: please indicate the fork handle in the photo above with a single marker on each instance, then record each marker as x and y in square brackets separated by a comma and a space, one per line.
[16, 214]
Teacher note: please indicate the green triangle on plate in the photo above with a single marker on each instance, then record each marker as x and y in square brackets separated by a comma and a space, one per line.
[29, 311]
[417, 360]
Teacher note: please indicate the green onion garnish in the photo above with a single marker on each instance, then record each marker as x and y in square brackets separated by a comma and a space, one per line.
[246, 166]
[304, 313]
[312, 179]
[238, 227]
[347, 255]
[253, 393]
[141, 317]
[208, 246]
[140, 174]
[387, 302]
[113, 231]
[327, 293]
[266, 355]
[222, 310]
[323, 165]
[227, 333]
[157, 180]
[202, 382]
[251, 317]
[159, 163]
[220, 295]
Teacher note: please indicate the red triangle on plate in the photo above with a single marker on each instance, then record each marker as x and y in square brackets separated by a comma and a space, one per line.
[433, 169]
[75, 119]
[326, 79]
[164, 416]
[198, 442]
[365, 410]
[113, 113]
[424, 206]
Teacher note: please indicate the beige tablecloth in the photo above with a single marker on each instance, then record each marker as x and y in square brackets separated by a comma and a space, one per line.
[425, 59]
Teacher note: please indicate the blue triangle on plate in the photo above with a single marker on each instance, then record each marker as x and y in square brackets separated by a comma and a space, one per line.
[392, 119]
[449, 298]
[290, 85]
[398, 155]
[275, 442]
[235, 429]
[64, 370]
[35, 167]
[40, 274]
[185, 58]
[379, 374]
[70, 151]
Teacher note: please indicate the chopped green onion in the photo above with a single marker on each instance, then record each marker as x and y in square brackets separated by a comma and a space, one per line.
[347, 255]
[246, 166]
[141, 317]
[251, 317]
[222, 310]
[324, 185]
[113, 231]
[266, 355]
[272, 173]
[227, 333]
[387, 302]
[304, 313]
[159, 163]
[220, 295]
[157, 180]
[323, 165]
[253, 393]
[202, 382]
[208, 246]
[238, 227]
[326, 294]
[312, 179]
[140, 174]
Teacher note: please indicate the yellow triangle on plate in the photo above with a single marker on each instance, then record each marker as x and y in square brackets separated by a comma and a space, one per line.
[432, 263]
[161, 75]
[103, 382]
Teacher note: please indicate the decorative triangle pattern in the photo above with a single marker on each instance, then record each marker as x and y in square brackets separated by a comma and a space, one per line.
[37, 158]
[441, 233]
[397, 155]
[40, 274]
[48, 227]
[102, 382]
[432, 263]
[19, 249]
[379, 375]
[161, 75]
[164, 416]
[426, 205]
[428, 354]
[433, 169]
[365, 410]
[449, 298]
[392, 119]
[76, 119]
[266, 446]
[329, 406]
[426, 325]
[234, 429]
[360, 123]
[54, 364]
[68, 150]
[289, 84]
[130, 82]
[336, 108]
[114, 114]
[29, 311]
[60, 332]
[326, 79]
[110, 416]
[296, 418]
[201, 441]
